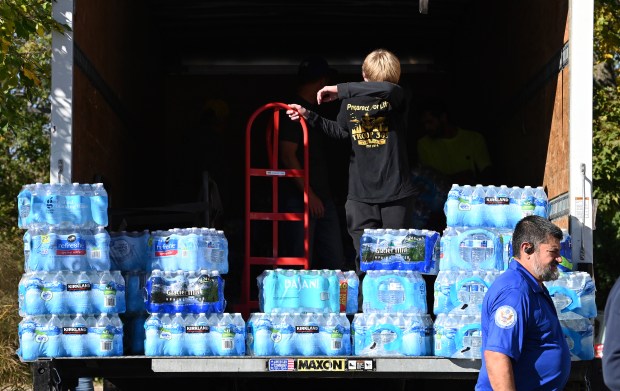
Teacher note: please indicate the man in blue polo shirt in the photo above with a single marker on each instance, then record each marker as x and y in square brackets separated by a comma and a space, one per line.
[522, 341]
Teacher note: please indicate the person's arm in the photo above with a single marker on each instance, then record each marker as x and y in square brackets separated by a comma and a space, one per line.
[329, 127]
[499, 370]
[288, 155]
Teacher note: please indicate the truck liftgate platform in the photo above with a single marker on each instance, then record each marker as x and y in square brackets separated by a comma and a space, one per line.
[239, 372]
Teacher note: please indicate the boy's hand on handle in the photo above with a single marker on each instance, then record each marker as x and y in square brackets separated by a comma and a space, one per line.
[327, 94]
[296, 112]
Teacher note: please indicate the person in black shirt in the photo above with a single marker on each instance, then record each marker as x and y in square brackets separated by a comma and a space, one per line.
[373, 115]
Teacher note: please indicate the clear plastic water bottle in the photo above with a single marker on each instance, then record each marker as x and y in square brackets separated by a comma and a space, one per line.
[477, 212]
[287, 288]
[353, 285]
[413, 343]
[307, 334]
[178, 291]
[332, 335]
[116, 322]
[102, 337]
[28, 345]
[175, 345]
[313, 291]
[259, 341]
[240, 334]
[79, 291]
[153, 342]
[451, 207]
[99, 250]
[103, 294]
[541, 202]
[465, 198]
[214, 244]
[33, 303]
[54, 294]
[223, 269]
[514, 206]
[527, 201]
[53, 341]
[284, 334]
[198, 335]
[121, 294]
[223, 334]
[75, 336]
[24, 199]
[99, 205]
[154, 302]
[368, 243]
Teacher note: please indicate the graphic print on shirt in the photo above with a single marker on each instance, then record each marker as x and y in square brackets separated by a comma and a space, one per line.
[370, 129]
[505, 317]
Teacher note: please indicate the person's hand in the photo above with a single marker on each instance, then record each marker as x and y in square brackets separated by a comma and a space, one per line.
[315, 205]
[296, 111]
[327, 94]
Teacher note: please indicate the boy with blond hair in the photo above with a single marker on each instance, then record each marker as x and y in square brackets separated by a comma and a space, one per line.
[373, 115]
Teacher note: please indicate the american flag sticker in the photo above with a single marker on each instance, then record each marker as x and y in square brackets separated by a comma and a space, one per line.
[279, 365]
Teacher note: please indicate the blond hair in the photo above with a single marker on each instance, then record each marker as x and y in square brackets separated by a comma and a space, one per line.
[381, 65]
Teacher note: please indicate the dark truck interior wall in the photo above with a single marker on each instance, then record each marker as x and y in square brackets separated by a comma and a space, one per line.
[138, 104]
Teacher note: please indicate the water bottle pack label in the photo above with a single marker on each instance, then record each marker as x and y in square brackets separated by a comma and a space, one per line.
[185, 292]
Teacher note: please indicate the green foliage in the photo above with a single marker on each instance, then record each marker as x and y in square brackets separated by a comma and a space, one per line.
[606, 146]
[25, 68]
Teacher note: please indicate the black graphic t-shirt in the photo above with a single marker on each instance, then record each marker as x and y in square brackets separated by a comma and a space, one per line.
[373, 116]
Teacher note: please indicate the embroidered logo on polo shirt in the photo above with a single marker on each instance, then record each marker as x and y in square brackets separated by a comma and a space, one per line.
[505, 317]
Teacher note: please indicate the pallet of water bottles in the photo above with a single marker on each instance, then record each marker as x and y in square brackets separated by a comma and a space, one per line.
[66, 292]
[392, 334]
[319, 291]
[399, 249]
[184, 292]
[79, 205]
[77, 335]
[188, 249]
[493, 206]
[200, 334]
[298, 334]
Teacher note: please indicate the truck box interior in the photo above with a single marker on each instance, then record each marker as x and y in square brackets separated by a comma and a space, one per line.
[163, 90]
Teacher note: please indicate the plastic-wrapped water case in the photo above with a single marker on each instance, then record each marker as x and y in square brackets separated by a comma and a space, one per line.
[320, 291]
[394, 291]
[458, 335]
[472, 249]
[399, 249]
[49, 336]
[307, 334]
[579, 334]
[392, 334]
[129, 250]
[184, 292]
[573, 292]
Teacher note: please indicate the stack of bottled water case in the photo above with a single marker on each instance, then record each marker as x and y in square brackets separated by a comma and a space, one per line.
[474, 250]
[69, 298]
[394, 319]
[184, 295]
[573, 295]
[303, 312]
[400, 249]
[129, 256]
